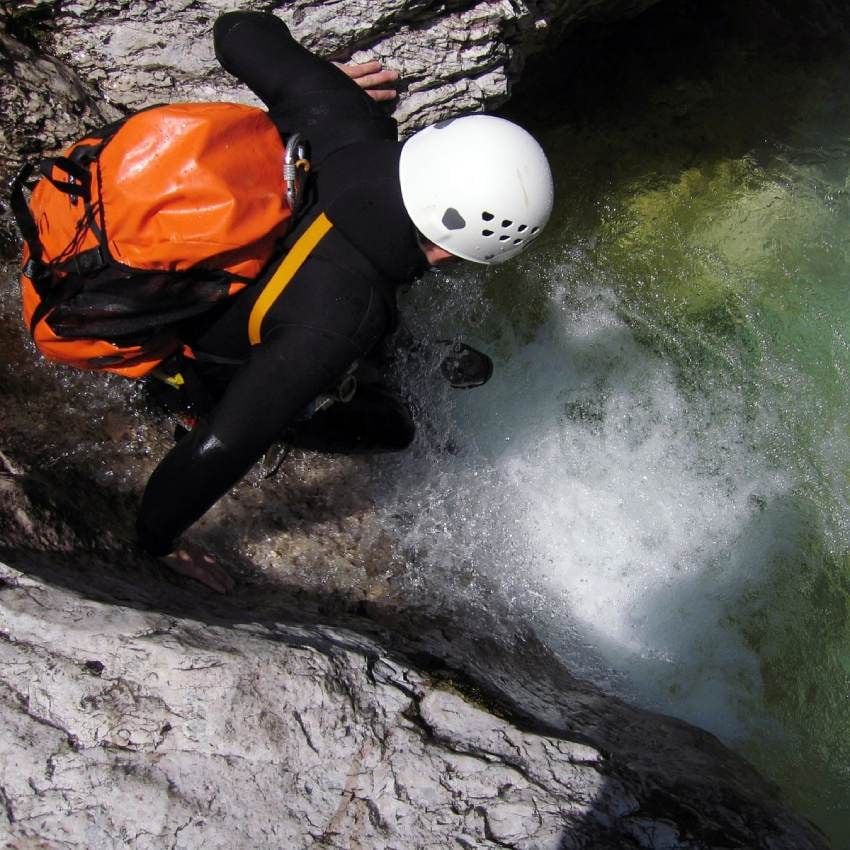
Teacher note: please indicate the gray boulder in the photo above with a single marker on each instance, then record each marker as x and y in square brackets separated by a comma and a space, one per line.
[141, 711]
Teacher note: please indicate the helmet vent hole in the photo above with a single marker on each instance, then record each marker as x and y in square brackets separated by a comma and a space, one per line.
[486, 216]
[535, 229]
[486, 232]
[517, 241]
[504, 238]
[453, 220]
[522, 227]
[506, 223]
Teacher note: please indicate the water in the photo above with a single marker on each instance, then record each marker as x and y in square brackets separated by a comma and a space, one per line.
[657, 476]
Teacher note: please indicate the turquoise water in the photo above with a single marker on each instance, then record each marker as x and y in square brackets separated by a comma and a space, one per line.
[658, 475]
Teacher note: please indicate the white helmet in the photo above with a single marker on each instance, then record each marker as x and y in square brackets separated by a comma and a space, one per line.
[479, 187]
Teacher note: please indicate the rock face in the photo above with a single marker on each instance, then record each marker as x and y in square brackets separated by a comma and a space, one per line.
[70, 65]
[140, 711]
[155, 732]
[454, 57]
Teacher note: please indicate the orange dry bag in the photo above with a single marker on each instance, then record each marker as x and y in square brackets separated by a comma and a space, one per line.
[144, 224]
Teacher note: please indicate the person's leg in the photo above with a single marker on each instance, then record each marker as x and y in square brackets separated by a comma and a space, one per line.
[375, 420]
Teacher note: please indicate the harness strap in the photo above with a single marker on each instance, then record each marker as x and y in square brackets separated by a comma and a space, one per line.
[288, 268]
[23, 216]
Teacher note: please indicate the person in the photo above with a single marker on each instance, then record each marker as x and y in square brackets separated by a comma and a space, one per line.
[378, 213]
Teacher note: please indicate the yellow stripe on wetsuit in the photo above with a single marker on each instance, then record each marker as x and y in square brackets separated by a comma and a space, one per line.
[285, 272]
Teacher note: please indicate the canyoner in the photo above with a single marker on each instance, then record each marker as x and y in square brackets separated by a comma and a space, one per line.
[214, 240]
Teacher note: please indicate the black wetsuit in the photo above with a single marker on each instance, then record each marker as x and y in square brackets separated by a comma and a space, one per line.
[339, 305]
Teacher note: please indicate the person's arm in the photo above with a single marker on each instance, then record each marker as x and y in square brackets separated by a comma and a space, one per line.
[303, 92]
[276, 384]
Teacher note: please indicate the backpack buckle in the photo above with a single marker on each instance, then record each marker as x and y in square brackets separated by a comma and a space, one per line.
[87, 262]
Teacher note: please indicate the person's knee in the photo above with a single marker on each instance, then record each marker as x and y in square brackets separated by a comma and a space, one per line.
[374, 421]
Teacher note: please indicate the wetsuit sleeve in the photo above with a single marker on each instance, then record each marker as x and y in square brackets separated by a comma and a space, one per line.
[302, 91]
[218, 452]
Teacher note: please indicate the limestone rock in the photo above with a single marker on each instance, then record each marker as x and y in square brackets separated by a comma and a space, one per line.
[130, 737]
[46, 104]
[454, 57]
[69, 66]
[144, 712]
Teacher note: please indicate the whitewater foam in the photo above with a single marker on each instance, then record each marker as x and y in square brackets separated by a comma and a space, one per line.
[622, 513]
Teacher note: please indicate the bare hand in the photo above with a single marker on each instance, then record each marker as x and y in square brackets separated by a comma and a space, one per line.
[193, 561]
[372, 78]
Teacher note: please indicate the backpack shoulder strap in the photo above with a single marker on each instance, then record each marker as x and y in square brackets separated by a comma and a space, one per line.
[24, 220]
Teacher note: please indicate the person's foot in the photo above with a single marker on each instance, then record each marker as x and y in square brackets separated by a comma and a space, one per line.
[195, 562]
[464, 367]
